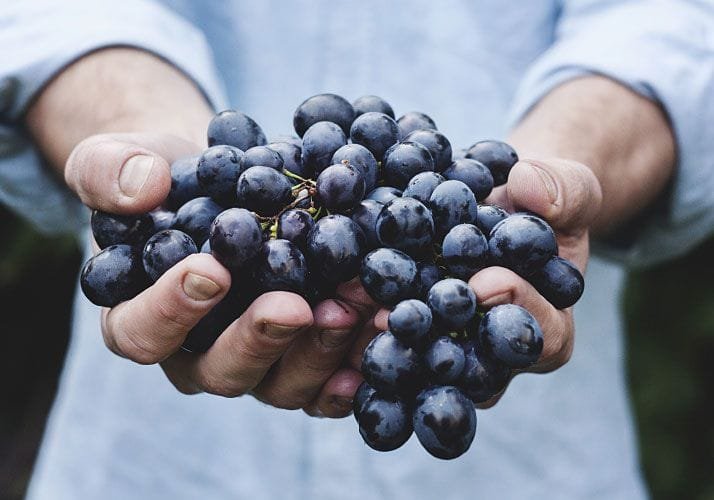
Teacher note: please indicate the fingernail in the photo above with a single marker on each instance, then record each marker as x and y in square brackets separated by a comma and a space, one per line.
[134, 174]
[199, 288]
[278, 331]
[334, 338]
[551, 187]
[502, 298]
[341, 402]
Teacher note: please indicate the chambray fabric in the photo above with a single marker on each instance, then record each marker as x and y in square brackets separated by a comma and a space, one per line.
[119, 430]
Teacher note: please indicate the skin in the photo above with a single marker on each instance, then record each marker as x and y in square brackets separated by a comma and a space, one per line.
[593, 154]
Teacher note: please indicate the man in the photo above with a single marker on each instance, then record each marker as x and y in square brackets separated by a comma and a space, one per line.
[591, 94]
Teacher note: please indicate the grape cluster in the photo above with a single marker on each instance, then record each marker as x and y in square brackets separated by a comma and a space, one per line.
[358, 194]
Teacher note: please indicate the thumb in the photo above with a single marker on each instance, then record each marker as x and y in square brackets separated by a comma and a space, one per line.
[565, 193]
[124, 173]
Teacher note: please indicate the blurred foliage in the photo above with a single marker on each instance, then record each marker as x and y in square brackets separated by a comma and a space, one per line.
[669, 313]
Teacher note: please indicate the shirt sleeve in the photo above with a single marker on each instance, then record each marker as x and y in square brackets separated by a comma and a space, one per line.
[664, 50]
[40, 38]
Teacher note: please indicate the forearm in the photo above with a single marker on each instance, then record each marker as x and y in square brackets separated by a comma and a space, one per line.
[624, 138]
[115, 90]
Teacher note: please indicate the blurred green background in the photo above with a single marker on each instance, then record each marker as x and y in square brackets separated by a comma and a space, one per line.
[670, 319]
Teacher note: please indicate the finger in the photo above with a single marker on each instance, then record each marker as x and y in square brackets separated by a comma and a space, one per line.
[497, 285]
[124, 173]
[246, 350]
[297, 377]
[335, 398]
[368, 331]
[151, 326]
[357, 297]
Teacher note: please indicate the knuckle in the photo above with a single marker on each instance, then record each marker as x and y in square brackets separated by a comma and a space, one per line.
[280, 399]
[224, 387]
[137, 350]
[173, 316]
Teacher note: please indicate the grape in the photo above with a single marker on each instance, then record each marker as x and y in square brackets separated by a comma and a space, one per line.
[365, 215]
[559, 281]
[294, 225]
[452, 303]
[359, 157]
[165, 249]
[236, 237]
[489, 216]
[236, 129]
[437, 144]
[340, 188]
[444, 421]
[162, 219]
[323, 107]
[445, 360]
[403, 161]
[113, 275]
[390, 366]
[110, 229]
[217, 173]
[389, 276]
[263, 190]
[280, 266]
[209, 328]
[261, 155]
[195, 217]
[414, 120]
[334, 248]
[405, 224]
[319, 144]
[472, 173]
[364, 392]
[410, 322]
[498, 156]
[292, 158]
[384, 194]
[422, 185]
[184, 182]
[522, 243]
[369, 103]
[428, 273]
[385, 424]
[512, 335]
[452, 203]
[482, 377]
[465, 251]
[375, 131]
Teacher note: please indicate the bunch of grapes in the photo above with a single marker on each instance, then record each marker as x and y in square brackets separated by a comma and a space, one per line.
[358, 194]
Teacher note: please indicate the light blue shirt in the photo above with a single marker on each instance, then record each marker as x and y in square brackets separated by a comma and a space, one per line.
[119, 430]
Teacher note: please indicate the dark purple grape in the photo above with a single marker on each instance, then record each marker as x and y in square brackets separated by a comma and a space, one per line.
[365, 215]
[489, 216]
[559, 281]
[359, 157]
[184, 182]
[294, 225]
[410, 322]
[375, 131]
[498, 156]
[340, 188]
[389, 276]
[372, 103]
[511, 335]
[403, 161]
[292, 158]
[522, 243]
[422, 185]
[465, 251]
[211, 326]
[405, 224]
[445, 360]
[319, 144]
[385, 424]
[472, 173]
[162, 219]
[113, 275]
[236, 237]
[428, 274]
[195, 217]
[264, 191]
[111, 229]
[363, 393]
[323, 108]
[390, 366]
[383, 194]
[437, 144]
[264, 156]
[334, 248]
[452, 203]
[164, 250]
[236, 129]
[444, 421]
[280, 265]
[218, 170]
[414, 120]
[452, 303]
[483, 376]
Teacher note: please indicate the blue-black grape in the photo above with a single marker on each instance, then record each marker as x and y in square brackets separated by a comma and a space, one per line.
[362, 159]
[445, 360]
[410, 322]
[437, 144]
[319, 144]
[261, 155]
[512, 335]
[472, 173]
[403, 161]
[323, 107]
[202, 336]
[263, 190]
[110, 229]
[389, 276]
[483, 376]
[405, 224]
[465, 251]
[184, 182]
[414, 120]
[384, 194]
[452, 303]
[498, 156]
[390, 366]
[428, 273]
[280, 265]
[375, 131]
[294, 225]
[363, 393]
[236, 129]
[522, 243]
[113, 275]
[422, 185]
[292, 158]
[489, 216]
[365, 215]
[162, 219]
[218, 170]
[385, 424]
[444, 421]
[164, 250]
[372, 103]
[452, 203]
[340, 187]
[195, 217]
[559, 281]
[334, 248]
[236, 237]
